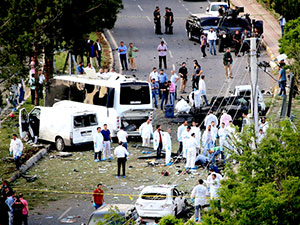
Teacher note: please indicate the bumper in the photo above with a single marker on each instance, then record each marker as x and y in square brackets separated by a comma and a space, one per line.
[155, 213]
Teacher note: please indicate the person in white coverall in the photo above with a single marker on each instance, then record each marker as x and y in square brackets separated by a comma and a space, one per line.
[202, 88]
[167, 146]
[180, 129]
[98, 144]
[146, 131]
[225, 118]
[191, 152]
[186, 134]
[214, 128]
[158, 141]
[195, 129]
[16, 149]
[199, 196]
[222, 133]
[209, 118]
[208, 139]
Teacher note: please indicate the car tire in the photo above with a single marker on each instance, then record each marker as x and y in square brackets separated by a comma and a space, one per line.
[189, 34]
[221, 46]
[59, 144]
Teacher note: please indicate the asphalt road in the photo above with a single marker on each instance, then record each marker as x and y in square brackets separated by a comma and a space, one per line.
[135, 24]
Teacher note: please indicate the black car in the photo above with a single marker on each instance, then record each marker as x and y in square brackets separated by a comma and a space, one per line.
[198, 24]
[230, 23]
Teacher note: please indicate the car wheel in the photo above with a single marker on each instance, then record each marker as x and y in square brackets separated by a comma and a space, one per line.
[221, 46]
[190, 35]
[59, 144]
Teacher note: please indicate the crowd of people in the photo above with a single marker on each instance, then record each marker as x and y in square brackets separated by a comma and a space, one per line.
[13, 207]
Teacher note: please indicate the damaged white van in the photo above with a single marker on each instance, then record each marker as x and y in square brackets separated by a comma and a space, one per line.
[64, 127]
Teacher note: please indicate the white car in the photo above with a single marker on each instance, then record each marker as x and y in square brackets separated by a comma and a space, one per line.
[213, 8]
[160, 200]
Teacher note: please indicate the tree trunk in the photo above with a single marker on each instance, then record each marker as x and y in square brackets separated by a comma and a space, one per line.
[36, 77]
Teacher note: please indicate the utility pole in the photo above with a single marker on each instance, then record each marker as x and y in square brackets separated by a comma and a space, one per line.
[253, 65]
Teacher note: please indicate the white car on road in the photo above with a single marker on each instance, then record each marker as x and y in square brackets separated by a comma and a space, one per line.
[160, 200]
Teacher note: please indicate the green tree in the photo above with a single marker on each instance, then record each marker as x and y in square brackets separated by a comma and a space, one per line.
[170, 220]
[265, 187]
[288, 8]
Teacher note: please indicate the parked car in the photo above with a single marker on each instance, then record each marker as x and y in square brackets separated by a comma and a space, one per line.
[198, 24]
[213, 8]
[160, 200]
[126, 212]
[230, 23]
[62, 126]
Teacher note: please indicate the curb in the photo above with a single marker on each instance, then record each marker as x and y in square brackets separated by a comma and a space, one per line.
[29, 163]
[111, 42]
[110, 51]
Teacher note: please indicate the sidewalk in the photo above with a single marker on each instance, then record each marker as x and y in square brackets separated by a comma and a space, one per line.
[272, 30]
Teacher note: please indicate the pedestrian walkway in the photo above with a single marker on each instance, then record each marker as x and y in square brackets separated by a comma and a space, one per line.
[272, 30]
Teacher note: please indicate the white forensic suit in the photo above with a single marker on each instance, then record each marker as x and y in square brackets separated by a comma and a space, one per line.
[16, 147]
[214, 184]
[196, 130]
[209, 118]
[196, 101]
[208, 140]
[156, 139]
[167, 146]
[185, 137]
[222, 133]
[98, 142]
[146, 131]
[214, 130]
[225, 118]
[191, 152]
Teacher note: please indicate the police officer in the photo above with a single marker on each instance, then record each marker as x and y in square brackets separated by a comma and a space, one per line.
[157, 22]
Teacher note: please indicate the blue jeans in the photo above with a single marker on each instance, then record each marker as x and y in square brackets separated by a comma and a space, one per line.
[98, 205]
[205, 99]
[213, 155]
[212, 44]
[172, 98]
[282, 30]
[154, 95]
[197, 209]
[282, 85]
[125, 145]
[163, 99]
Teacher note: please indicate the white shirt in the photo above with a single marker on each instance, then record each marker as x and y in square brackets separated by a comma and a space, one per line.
[192, 144]
[167, 143]
[197, 132]
[98, 141]
[122, 136]
[202, 87]
[199, 192]
[180, 129]
[146, 130]
[121, 152]
[16, 147]
[162, 47]
[210, 181]
[211, 36]
[41, 78]
[209, 118]
[99, 47]
[154, 75]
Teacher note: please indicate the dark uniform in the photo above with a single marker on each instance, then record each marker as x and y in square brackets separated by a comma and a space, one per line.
[157, 22]
[169, 19]
[237, 38]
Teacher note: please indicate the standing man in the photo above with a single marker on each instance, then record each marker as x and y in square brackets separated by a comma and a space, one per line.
[203, 45]
[32, 88]
[172, 92]
[171, 20]
[162, 54]
[237, 39]
[16, 149]
[162, 78]
[98, 196]
[246, 121]
[107, 140]
[183, 73]
[185, 136]
[199, 193]
[212, 37]
[122, 136]
[157, 22]
[208, 139]
[98, 144]
[132, 50]
[98, 50]
[225, 118]
[154, 75]
[222, 133]
[25, 210]
[202, 88]
[168, 21]
[282, 79]
[41, 84]
[123, 51]
[157, 141]
[196, 130]
[165, 93]
[146, 132]
[196, 75]
[209, 118]
[155, 90]
[121, 154]
[167, 146]
[174, 78]
[191, 152]
[227, 61]
[282, 24]
[180, 129]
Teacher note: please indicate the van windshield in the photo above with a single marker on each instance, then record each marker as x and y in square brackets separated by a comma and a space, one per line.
[85, 120]
[135, 93]
[154, 196]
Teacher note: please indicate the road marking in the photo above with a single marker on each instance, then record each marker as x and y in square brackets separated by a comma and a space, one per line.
[115, 46]
[186, 9]
[140, 8]
[64, 213]
[171, 55]
[182, 4]
[173, 67]
[148, 19]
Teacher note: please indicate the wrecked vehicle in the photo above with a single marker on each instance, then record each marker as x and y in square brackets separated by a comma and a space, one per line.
[64, 127]
[123, 100]
[160, 200]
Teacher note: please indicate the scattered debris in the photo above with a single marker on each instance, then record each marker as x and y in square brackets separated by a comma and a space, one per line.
[139, 188]
[64, 154]
[68, 220]
[30, 178]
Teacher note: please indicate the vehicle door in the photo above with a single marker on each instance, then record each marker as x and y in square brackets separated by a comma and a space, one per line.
[83, 127]
[24, 127]
[177, 200]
